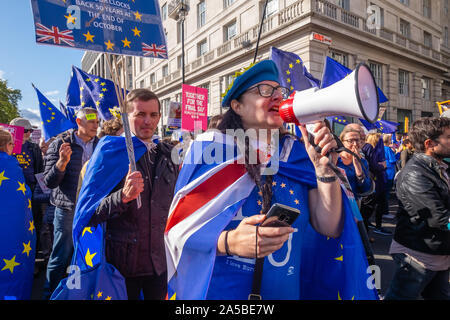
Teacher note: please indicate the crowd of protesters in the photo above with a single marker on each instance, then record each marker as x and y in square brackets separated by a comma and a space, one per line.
[413, 168]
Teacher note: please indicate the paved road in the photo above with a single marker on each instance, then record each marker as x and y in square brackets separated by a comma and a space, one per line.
[380, 249]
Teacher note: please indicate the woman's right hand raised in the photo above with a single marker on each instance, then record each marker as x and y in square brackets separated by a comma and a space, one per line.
[242, 240]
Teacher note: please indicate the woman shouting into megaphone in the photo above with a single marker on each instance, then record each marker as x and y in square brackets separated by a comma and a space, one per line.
[230, 232]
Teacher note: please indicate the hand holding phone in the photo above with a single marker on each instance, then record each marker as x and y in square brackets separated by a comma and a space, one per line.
[280, 215]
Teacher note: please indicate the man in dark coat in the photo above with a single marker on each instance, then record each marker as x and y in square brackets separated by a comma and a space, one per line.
[135, 236]
[421, 244]
[63, 162]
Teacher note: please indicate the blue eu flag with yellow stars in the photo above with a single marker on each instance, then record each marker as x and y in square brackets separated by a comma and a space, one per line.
[69, 113]
[52, 120]
[381, 125]
[17, 232]
[88, 90]
[292, 73]
[334, 71]
[125, 27]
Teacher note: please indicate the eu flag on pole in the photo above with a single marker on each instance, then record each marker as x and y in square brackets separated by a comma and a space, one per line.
[383, 126]
[17, 232]
[52, 120]
[292, 73]
[333, 71]
[88, 90]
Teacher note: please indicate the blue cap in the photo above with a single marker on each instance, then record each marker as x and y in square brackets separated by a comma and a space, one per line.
[265, 70]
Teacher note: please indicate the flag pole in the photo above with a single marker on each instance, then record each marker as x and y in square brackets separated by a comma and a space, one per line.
[121, 97]
[260, 30]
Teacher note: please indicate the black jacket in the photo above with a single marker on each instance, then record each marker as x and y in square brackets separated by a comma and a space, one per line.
[64, 184]
[135, 237]
[424, 202]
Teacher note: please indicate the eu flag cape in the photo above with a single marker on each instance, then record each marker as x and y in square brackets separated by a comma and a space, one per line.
[107, 167]
[213, 196]
[17, 232]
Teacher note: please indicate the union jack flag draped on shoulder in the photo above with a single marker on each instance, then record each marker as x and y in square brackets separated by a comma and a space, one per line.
[211, 196]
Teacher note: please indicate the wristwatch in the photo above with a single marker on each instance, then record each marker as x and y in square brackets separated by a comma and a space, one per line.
[326, 179]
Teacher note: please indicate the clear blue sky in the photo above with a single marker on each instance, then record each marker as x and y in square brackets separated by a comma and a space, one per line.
[23, 62]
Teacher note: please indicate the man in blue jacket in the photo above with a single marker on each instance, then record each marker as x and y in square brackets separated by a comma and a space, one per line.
[64, 160]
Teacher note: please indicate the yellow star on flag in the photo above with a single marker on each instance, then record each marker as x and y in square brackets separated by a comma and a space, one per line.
[108, 298]
[283, 185]
[99, 294]
[31, 228]
[136, 31]
[70, 18]
[27, 248]
[138, 15]
[29, 204]
[103, 84]
[89, 257]
[297, 61]
[2, 177]
[291, 191]
[101, 95]
[97, 80]
[296, 201]
[291, 65]
[87, 229]
[104, 89]
[109, 46]
[22, 187]
[89, 37]
[126, 43]
[288, 72]
[10, 264]
[274, 183]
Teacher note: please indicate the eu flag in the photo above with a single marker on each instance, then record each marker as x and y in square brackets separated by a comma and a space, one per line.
[52, 120]
[69, 113]
[333, 71]
[17, 232]
[292, 73]
[88, 90]
[383, 126]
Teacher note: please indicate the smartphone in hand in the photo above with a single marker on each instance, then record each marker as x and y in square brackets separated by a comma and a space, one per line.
[280, 215]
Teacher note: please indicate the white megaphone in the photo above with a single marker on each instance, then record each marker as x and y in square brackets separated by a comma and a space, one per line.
[355, 96]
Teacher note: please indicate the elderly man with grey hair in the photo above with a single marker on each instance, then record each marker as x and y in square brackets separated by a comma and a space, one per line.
[63, 162]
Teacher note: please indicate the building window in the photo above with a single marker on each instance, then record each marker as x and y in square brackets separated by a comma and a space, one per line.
[405, 28]
[403, 83]
[165, 70]
[377, 71]
[344, 4]
[405, 2]
[427, 40]
[179, 62]
[202, 48]
[179, 29]
[426, 88]
[141, 64]
[342, 58]
[142, 84]
[152, 78]
[446, 36]
[227, 3]
[164, 12]
[201, 14]
[272, 7]
[426, 5]
[446, 7]
[230, 31]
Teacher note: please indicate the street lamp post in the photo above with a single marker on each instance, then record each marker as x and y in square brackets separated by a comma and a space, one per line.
[182, 13]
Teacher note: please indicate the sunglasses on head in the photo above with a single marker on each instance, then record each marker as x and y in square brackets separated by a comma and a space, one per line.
[27, 130]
